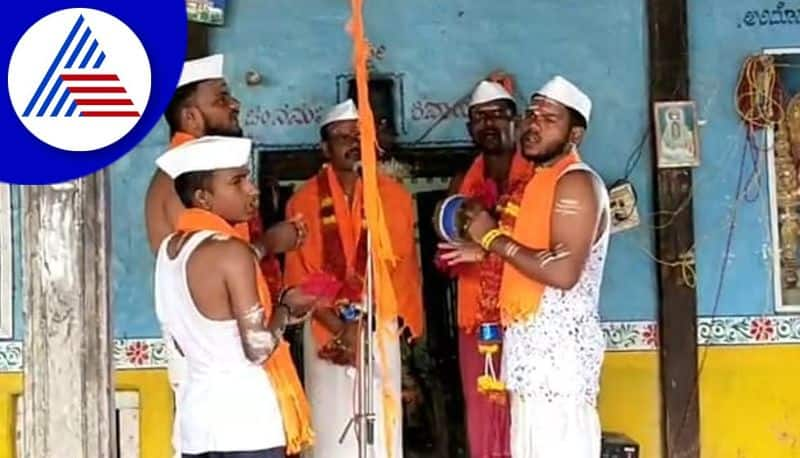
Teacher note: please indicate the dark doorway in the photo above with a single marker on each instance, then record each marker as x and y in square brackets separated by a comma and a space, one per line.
[436, 427]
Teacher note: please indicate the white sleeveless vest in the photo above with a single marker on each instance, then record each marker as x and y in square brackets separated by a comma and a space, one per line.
[556, 354]
[226, 402]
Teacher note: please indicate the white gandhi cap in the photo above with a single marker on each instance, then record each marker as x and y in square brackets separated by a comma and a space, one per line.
[205, 68]
[206, 154]
[561, 90]
[345, 111]
[489, 91]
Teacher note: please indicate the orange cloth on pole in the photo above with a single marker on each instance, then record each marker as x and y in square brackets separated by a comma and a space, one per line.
[383, 252]
[292, 400]
[519, 294]
[469, 287]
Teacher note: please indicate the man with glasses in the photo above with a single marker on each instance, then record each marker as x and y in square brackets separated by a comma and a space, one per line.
[491, 125]
[548, 247]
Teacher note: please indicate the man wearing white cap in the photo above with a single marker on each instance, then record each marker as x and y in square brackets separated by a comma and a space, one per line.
[552, 238]
[211, 297]
[492, 127]
[335, 249]
[201, 105]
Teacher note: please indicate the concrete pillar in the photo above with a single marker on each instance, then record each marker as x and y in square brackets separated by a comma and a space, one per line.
[68, 397]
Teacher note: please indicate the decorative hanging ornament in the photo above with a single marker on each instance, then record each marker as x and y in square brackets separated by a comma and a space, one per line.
[489, 341]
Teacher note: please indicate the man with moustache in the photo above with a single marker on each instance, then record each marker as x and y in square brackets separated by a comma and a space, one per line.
[552, 238]
[202, 105]
[491, 125]
[332, 203]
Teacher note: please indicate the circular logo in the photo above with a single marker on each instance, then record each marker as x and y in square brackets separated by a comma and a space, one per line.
[87, 81]
[79, 79]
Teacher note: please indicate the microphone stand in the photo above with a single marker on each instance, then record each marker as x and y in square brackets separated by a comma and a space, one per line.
[366, 360]
[364, 415]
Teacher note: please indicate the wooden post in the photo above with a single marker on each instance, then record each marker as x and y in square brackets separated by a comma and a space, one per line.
[669, 80]
[68, 399]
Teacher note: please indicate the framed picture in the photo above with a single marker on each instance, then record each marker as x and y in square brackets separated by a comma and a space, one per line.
[676, 134]
[210, 12]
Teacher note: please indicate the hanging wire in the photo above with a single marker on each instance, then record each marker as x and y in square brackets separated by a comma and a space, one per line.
[758, 79]
[720, 283]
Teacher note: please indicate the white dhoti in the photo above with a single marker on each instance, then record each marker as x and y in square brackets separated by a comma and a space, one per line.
[331, 391]
[557, 429]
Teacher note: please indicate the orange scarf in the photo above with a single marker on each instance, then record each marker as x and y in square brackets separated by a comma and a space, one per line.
[469, 286]
[346, 223]
[519, 294]
[179, 138]
[292, 400]
[344, 246]
[270, 265]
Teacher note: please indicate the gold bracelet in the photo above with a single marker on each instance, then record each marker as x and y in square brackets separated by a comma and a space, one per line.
[489, 238]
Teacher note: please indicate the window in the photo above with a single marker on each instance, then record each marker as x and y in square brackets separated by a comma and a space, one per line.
[126, 418]
[783, 163]
[6, 254]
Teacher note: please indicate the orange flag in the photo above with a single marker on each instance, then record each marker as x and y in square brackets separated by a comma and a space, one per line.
[382, 252]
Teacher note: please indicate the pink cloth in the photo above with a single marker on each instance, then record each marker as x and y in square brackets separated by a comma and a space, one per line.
[488, 422]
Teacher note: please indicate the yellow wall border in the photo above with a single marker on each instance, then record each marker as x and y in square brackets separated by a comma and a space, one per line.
[10, 387]
[155, 409]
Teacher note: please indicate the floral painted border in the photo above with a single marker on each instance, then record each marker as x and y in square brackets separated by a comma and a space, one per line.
[10, 356]
[619, 335]
[139, 353]
[630, 335]
[732, 330]
[127, 353]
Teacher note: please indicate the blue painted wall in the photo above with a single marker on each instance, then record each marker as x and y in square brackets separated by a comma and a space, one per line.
[439, 51]
[131, 261]
[722, 34]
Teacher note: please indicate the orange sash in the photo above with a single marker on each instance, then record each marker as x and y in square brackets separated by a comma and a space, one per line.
[469, 286]
[349, 221]
[344, 257]
[519, 294]
[292, 400]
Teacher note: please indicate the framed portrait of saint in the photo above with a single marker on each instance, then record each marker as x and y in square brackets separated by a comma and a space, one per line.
[677, 142]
